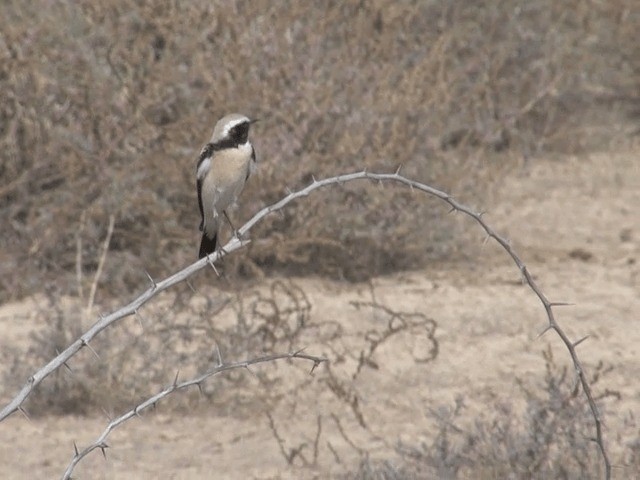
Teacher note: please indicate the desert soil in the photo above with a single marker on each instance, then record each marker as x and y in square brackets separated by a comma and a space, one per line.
[575, 223]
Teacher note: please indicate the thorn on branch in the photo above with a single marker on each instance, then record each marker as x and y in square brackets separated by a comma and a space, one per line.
[175, 380]
[153, 282]
[191, 287]
[315, 364]
[561, 304]
[75, 447]
[65, 364]
[398, 169]
[103, 446]
[549, 327]
[524, 271]
[86, 344]
[575, 344]
[139, 317]
[453, 209]
[24, 412]
[199, 385]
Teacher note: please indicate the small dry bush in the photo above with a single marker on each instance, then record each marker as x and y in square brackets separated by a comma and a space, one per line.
[185, 332]
[550, 438]
[105, 105]
[189, 333]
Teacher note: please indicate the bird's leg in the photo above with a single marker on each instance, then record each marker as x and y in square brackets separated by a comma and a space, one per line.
[235, 232]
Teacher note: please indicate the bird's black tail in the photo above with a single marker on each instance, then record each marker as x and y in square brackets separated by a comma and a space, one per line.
[207, 245]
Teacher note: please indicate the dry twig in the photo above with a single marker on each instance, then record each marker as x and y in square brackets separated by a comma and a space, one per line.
[101, 441]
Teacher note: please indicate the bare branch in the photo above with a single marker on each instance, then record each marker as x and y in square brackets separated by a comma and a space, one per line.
[235, 244]
[100, 442]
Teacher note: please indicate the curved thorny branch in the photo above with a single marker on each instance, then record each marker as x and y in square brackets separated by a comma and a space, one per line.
[235, 244]
[101, 441]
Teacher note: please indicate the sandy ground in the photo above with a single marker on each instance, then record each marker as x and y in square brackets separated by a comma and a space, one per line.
[575, 223]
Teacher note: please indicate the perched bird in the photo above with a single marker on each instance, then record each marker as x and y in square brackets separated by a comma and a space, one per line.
[224, 166]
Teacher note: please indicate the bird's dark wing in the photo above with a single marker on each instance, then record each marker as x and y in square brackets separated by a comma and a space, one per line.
[199, 186]
[253, 161]
[206, 152]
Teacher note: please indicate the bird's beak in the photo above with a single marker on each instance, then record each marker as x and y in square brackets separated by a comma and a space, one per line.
[255, 120]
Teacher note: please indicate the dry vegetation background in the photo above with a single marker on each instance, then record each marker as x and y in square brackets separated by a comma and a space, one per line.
[104, 107]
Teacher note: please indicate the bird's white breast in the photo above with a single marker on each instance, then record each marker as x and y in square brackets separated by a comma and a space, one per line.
[225, 174]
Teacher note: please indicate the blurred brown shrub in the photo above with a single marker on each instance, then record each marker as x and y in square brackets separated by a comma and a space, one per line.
[105, 105]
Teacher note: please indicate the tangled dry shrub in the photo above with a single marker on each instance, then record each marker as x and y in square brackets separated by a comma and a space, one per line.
[104, 106]
[187, 332]
[350, 383]
[548, 439]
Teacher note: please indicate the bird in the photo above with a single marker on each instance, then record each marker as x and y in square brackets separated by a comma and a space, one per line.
[224, 166]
